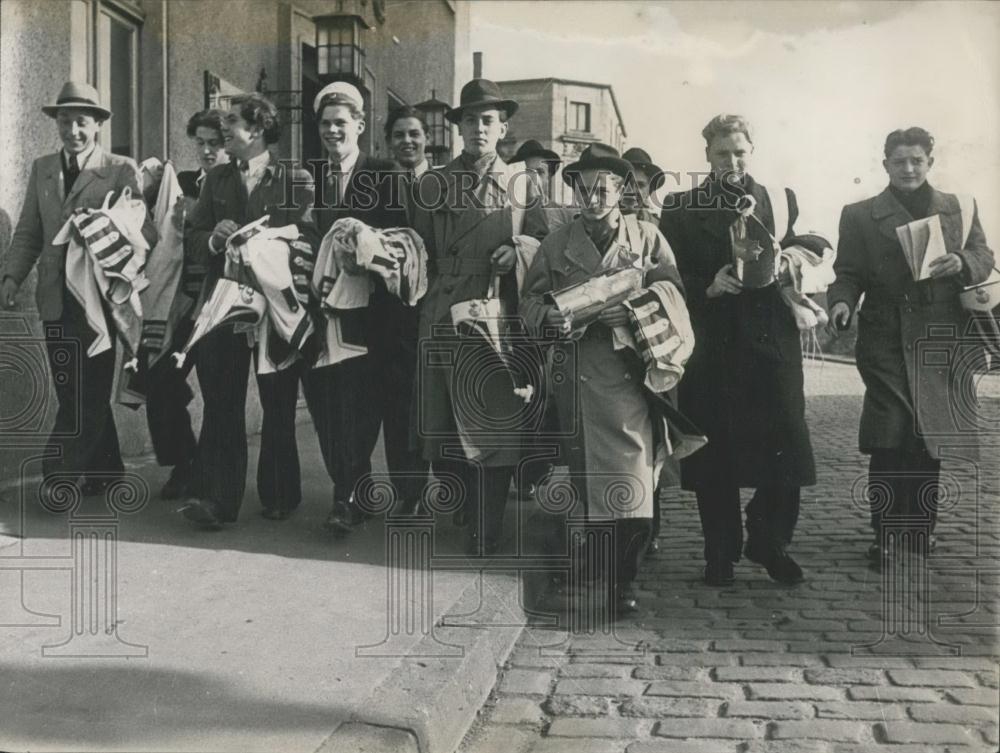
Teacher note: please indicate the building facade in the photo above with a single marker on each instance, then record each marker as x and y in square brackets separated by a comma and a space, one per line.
[565, 116]
[156, 62]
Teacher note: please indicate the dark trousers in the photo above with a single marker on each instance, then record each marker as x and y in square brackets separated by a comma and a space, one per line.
[223, 363]
[903, 484]
[771, 517]
[484, 490]
[279, 478]
[84, 432]
[167, 399]
[393, 354]
[339, 398]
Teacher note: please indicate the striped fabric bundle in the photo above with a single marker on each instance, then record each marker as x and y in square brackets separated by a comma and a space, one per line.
[661, 328]
[106, 258]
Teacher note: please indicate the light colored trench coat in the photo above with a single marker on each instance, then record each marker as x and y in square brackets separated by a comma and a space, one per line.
[613, 441]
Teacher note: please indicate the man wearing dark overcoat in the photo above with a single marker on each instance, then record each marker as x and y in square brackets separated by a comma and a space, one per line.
[743, 384]
[912, 351]
[79, 176]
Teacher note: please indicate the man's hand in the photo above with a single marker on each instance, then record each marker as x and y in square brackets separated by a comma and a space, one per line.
[556, 319]
[945, 266]
[724, 282]
[8, 291]
[221, 233]
[616, 316]
[840, 315]
[503, 259]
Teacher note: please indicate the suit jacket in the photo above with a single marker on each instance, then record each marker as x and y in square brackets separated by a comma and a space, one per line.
[374, 195]
[911, 349]
[285, 194]
[46, 210]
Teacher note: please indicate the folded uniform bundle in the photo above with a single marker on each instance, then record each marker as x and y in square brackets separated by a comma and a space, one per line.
[106, 258]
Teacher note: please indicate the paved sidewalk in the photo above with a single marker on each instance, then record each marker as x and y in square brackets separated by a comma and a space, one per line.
[843, 663]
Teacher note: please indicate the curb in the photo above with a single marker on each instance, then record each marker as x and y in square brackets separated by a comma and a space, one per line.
[436, 699]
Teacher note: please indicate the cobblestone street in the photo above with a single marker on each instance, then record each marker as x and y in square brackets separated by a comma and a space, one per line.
[851, 660]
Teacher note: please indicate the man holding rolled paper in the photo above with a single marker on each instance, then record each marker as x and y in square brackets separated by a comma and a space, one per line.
[910, 251]
[744, 382]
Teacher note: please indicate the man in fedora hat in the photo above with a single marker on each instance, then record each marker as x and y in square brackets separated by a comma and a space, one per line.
[613, 439]
[645, 179]
[253, 184]
[350, 400]
[467, 212]
[541, 164]
[744, 381]
[77, 177]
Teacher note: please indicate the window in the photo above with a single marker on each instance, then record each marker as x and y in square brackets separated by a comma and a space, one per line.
[579, 116]
[117, 53]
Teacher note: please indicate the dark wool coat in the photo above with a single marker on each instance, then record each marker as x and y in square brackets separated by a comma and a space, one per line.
[912, 351]
[743, 385]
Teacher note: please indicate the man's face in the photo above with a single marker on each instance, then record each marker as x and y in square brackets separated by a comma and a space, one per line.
[238, 136]
[340, 130]
[481, 130]
[597, 193]
[636, 194]
[407, 141]
[77, 129]
[907, 167]
[729, 156]
[209, 142]
[538, 170]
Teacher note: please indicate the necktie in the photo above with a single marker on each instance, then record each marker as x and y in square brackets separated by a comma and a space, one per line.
[335, 179]
[244, 166]
[72, 172]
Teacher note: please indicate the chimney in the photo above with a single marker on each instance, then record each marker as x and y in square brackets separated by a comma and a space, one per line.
[477, 65]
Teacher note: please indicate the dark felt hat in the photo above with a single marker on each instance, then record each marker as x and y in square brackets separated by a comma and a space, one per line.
[79, 96]
[532, 148]
[598, 157]
[478, 94]
[640, 159]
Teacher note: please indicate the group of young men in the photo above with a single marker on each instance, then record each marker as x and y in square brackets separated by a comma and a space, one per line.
[443, 401]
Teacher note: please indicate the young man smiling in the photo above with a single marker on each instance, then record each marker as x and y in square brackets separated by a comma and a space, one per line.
[252, 185]
[79, 176]
[406, 135]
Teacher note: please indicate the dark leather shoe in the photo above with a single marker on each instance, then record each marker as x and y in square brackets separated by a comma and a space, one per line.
[204, 513]
[719, 574]
[779, 565]
[342, 518]
[179, 483]
[273, 513]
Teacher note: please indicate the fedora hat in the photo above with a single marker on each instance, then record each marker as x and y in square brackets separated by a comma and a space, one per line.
[532, 148]
[481, 93]
[79, 96]
[598, 157]
[640, 159]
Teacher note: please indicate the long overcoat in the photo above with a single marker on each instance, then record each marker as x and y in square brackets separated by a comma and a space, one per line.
[913, 351]
[612, 436]
[463, 219]
[743, 385]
